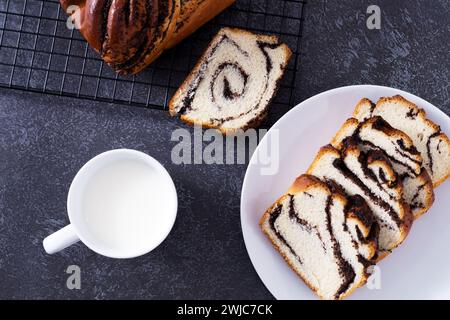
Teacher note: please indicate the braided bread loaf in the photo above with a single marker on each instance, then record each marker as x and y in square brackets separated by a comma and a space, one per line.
[407, 162]
[130, 34]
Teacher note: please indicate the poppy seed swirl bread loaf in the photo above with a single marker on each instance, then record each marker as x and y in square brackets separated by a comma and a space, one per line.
[328, 239]
[130, 34]
[233, 83]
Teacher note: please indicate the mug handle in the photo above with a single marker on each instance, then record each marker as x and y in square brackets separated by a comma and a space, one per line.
[60, 239]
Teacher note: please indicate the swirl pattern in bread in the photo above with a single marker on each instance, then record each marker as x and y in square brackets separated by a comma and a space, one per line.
[233, 83]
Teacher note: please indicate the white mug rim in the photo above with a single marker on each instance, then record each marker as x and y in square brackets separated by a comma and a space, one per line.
[102, 157]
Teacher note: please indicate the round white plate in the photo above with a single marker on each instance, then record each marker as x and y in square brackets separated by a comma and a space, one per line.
[418, 269]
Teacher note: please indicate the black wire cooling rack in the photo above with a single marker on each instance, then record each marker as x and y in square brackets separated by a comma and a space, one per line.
[39, 53]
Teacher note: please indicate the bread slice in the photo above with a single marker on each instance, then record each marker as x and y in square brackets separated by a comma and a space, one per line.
[329, 240]
[376, 134]
[430, 141]
[232, 85]
[370, 175]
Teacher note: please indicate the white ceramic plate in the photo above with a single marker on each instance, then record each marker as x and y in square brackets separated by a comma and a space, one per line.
[418, 269]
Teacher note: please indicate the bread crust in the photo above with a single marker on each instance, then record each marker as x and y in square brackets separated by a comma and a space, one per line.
[438, 182]
[346, 130]
[255, 122]
[362, 106]
[427, 184]
[322, 151]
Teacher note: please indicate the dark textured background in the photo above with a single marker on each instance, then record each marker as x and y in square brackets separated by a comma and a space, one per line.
[44, 140]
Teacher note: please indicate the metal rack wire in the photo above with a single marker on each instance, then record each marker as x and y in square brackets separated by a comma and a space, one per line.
[39, 53]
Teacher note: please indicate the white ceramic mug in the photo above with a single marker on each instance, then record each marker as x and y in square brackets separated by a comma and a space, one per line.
[121, 204]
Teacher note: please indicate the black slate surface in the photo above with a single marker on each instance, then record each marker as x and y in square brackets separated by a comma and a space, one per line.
[44, 140]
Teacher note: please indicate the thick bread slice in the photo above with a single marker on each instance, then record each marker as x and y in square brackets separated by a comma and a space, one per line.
[327, 239]
[233, 83]
[402, 114]
[370, 175]
[375, 133]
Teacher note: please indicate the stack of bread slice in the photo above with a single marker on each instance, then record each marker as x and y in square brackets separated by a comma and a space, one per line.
[360, 196]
